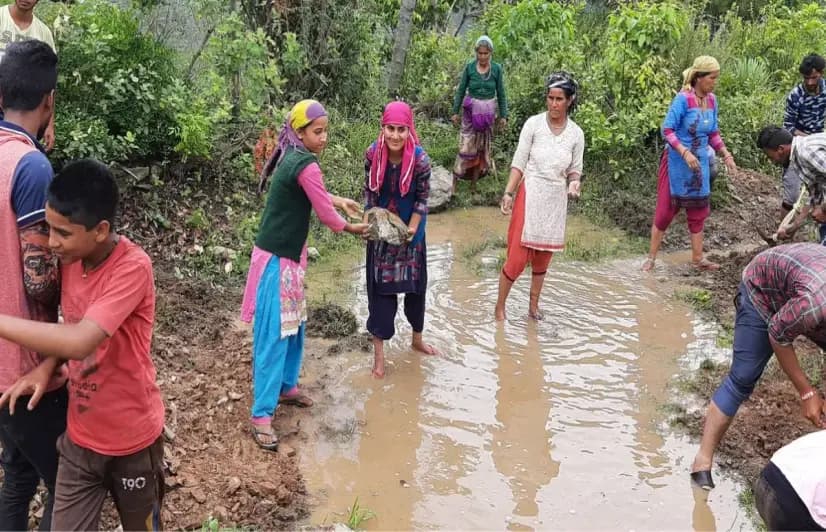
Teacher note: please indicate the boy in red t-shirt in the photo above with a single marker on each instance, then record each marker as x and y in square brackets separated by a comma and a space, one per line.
[113, 441]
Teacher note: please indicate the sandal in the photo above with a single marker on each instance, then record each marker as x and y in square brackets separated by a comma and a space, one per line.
[702, 479]
[261, 430]
[648, 265]
[295, 398]
[705, 265]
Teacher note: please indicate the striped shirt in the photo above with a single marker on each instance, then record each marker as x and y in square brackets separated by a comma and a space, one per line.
[787, 286]
[804, 111]
[809, 159]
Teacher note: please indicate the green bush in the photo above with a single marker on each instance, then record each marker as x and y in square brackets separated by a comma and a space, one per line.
[112, 80]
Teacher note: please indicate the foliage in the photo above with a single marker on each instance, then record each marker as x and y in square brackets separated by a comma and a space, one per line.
[356, 515]
[112, 82]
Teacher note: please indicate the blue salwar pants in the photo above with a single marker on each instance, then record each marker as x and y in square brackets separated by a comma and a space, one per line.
[276, 361]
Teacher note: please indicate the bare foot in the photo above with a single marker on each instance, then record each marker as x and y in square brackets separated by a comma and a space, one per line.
[536, 314]
[378, 358]
[499, 314]
[648, 265]
[425, 349]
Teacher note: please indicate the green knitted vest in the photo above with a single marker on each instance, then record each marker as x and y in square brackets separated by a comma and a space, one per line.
[286, 219]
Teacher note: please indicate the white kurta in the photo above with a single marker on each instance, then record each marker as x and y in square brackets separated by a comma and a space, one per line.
[546, 161]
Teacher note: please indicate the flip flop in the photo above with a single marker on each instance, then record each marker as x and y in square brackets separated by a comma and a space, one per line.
[296, 399]
[267, 446]
[702, 479]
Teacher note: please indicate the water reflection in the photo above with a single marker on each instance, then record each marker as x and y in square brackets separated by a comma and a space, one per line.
[522, 425]
[521, 442]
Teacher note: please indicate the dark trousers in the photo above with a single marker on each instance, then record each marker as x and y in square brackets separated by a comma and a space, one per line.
[778, 504]
[382, 307]
[29, 454]
[84, 478]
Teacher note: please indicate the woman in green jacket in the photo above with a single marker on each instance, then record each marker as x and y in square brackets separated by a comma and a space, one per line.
[481, 91]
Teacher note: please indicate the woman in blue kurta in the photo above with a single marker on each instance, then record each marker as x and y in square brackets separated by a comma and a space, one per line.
[398, 179]
[689, 128]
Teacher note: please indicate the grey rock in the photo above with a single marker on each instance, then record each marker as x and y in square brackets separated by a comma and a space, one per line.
[441, 189]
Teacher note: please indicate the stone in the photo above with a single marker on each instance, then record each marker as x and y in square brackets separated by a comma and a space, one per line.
[139, 173]
[285, 450]
[199, 495]
[235, 396]
[313, 253]
[223, 252]
[233, 485]
[386, 226]
[441, 189]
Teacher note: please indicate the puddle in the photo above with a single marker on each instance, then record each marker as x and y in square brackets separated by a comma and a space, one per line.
[551, 425]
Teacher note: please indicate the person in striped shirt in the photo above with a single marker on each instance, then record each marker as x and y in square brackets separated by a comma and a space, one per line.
[805, 112]
[806, 157]
[782, 295]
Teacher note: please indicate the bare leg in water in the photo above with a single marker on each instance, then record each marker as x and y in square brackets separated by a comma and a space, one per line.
[697, 259]
[536, 290]
[378, 357]
[656, 240]
[417, 344]
[505, 286]
[716, 425]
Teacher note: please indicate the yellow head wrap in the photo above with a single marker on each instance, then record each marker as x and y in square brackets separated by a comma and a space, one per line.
[703, 63]
[305, 112]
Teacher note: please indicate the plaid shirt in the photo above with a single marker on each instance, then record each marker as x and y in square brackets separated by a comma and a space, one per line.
[787, 286]
[809, 158]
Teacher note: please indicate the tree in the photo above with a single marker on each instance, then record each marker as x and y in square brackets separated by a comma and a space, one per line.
[400, 44]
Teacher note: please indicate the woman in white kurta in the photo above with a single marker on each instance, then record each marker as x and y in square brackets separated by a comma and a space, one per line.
[546, 169]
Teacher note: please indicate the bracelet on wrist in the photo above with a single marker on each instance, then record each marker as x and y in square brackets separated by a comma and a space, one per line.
[808, 395]
[509, 194]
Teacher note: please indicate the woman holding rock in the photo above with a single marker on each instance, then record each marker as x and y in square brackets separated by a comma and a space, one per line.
[397, 175]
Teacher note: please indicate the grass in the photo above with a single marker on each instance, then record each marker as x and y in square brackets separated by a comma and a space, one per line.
[725, 336]
[699, 298]
[746, 500]
[213, 524]
[358, 515]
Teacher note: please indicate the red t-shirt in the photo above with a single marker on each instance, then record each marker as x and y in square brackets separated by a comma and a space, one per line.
[115, 405]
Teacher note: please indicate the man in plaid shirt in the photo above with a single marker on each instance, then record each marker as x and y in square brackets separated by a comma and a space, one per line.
[782, 296]
[807, 157]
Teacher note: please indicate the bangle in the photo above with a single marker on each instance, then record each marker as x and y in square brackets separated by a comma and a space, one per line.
[808, 395]
[509, 194]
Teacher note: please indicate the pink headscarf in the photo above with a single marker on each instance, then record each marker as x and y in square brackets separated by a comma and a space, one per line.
[397, 114]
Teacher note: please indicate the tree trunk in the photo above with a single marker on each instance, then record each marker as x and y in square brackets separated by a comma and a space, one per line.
[400, 46]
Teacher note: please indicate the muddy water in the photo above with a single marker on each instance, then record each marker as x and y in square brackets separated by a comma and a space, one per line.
[551, 425]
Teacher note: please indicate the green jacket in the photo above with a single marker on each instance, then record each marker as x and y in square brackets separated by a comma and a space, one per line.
[482, 89]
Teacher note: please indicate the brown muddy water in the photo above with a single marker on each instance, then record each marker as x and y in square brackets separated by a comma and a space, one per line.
[552, 425]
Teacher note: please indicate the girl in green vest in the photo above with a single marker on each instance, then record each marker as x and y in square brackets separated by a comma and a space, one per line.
[274, 294]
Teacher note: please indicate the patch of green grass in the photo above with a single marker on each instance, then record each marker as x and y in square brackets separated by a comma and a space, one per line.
[725, 336]
[213, 524]
[611, 244]
[698, 298]
[746, 500]
[472, 254]
[356, 515]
